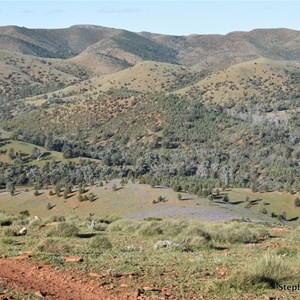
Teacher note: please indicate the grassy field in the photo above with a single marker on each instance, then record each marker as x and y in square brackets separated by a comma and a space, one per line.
[166, 259]
[26, 149]
[131, 200]
[273, 201]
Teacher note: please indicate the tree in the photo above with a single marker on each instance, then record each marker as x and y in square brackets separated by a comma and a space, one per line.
[92, 197]
[36, 191]
[11, 153]
[36, 153]
[10, 187]
[65, 194]
[297, 202]
[57, 190]
[226, 198]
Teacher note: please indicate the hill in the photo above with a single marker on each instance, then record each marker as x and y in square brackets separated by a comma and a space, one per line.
[215, 52]
[211, 52]
[144, 104]
[258, 86]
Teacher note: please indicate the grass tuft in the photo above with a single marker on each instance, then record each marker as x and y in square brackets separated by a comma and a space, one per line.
[266, 272]
[65, 230]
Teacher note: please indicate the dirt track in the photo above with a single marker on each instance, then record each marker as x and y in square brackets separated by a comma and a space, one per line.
[31, 277]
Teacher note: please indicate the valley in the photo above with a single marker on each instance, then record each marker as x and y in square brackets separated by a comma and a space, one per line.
[165, 164]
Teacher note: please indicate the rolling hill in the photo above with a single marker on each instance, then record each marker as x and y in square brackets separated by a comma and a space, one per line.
[221, 108]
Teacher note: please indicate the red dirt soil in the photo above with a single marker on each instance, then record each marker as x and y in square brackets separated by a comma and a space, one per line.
[32, 277]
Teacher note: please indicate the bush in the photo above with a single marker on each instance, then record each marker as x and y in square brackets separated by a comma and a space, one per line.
[151, 229]
[58, 219]
[6, 222]
[100, 242]
[65, 230]
[125, 225]
[193, 238]
[237, 233]
[56, 246]
[25, 213]
[285, 251]
[297, 202]
[10, 232]
[268, 271]
[295, 235]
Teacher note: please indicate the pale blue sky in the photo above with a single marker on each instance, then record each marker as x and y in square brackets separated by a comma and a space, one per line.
[168, 16]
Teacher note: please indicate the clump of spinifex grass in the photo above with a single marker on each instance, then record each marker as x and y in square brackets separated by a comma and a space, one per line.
[237, 232]
[100, 243]
[294, 236]
[55, 245]
[266, 272]
[65, 230]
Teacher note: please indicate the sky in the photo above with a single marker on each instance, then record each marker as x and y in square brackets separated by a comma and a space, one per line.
[167, 17]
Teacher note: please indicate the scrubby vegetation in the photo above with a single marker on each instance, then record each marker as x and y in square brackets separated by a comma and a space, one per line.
[97, 120]
[185, 257]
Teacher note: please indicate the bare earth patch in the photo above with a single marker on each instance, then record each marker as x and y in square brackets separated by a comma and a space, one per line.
[37, 278]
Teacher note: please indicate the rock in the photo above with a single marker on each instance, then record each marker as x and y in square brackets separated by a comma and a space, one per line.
[26, 252]
[151, 289]
[40, 294]
[73, 259]
[136, 294]
[20, 257]
[248, 295]
[222, 271]
[94, 275]
[22, 231]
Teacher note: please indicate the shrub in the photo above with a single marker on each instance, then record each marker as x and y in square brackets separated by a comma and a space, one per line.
[65, 195]
[267, 271]
[8, 241]
[193, 238]
[6, 222]
[295, 235]
[285, 251]
[179, 196]
[58, 219]
[49, 206]
[162, 244]
[25, 213]
[100, 242]
[125, 225]
[10, 232]
[56, 246]
[264, 211]
[151, 229]
[237, 233]
[226, 198]
[297, 202]
[92, 197]
[64, 230]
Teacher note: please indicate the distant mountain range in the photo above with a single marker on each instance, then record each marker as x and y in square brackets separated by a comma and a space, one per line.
[200, 51]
